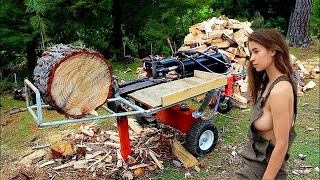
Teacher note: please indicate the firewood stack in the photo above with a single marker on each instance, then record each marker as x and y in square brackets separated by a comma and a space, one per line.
[229, 35]
[74, 80]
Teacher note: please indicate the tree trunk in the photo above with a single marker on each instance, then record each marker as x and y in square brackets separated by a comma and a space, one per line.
[31, 55]
[299, 34]
[73, 80]
[116, 39]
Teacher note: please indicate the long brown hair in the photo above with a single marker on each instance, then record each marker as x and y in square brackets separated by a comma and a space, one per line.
[271, 39]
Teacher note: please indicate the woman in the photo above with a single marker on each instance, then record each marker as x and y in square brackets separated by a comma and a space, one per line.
[273, 91]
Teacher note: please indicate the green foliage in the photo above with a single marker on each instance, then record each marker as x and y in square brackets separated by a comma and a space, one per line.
[6, 85]
[257, 21]
[277, 23]
[234, 9]
[315, 19]
[131, 46]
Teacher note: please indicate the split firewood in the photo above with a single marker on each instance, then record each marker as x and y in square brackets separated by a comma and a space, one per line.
[46, 163]
[111, 133]
[87, 130]
[127, 175]
[240, 98]
[115, 138]
[241, 61]
[242, 53]
[310, 85]
[115, 145]
[231, 41]
[233, 50]
[230, 55]
[199, 48]
[139, 166]
[246, 27]
[134, 125]
[73, 80]
[302, 68]
[187, 159]
[152, 139]
[81, 164]
[101, 159]
[71, 163]
[292, 58]
[40, 146]
[91, 156]
[119, 157]
[223, 44]
[153, 156]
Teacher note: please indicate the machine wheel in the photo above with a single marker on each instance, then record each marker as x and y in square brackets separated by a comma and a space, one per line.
[202, 138]
[224, 108]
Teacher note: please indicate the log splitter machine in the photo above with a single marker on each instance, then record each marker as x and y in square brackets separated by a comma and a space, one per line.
[201, 134]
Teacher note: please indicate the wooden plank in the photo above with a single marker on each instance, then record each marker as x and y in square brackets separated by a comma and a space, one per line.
[179, 90]
[135, 126]
[193, 91]
[187, 159]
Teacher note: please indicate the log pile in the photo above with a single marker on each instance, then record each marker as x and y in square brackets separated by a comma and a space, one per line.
[74, 80]
[303, 71]
[97, 154]
[229, 35]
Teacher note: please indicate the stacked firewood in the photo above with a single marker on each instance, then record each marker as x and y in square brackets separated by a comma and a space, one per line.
[229, 35]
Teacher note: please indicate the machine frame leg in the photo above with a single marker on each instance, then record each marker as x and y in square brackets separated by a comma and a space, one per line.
[123, 129]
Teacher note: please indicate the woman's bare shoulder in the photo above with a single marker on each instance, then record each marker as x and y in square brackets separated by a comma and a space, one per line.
[282, 89]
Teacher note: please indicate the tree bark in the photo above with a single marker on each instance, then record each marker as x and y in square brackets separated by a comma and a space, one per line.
[116, 39]
[73, 80]
[31, 54]
[299, 34]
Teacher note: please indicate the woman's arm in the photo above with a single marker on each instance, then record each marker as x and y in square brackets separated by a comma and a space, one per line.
[281, 103]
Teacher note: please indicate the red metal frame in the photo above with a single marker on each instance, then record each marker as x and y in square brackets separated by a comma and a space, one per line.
[123, 129]
[178, 117]
[228, 90]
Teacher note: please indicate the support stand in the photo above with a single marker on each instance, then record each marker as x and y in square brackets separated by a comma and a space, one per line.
[123, 130]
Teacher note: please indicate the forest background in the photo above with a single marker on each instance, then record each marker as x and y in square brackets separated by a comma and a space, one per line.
[116, 28]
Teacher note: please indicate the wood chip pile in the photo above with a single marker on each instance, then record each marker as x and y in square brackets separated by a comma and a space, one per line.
[93, 152]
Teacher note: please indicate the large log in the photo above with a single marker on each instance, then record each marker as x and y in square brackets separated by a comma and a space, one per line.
[73, 80]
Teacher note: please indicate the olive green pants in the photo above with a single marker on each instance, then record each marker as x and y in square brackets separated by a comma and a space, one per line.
[254, 170]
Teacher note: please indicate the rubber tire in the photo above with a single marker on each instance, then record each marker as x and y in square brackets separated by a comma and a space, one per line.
[226, 109]
[193, 137]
